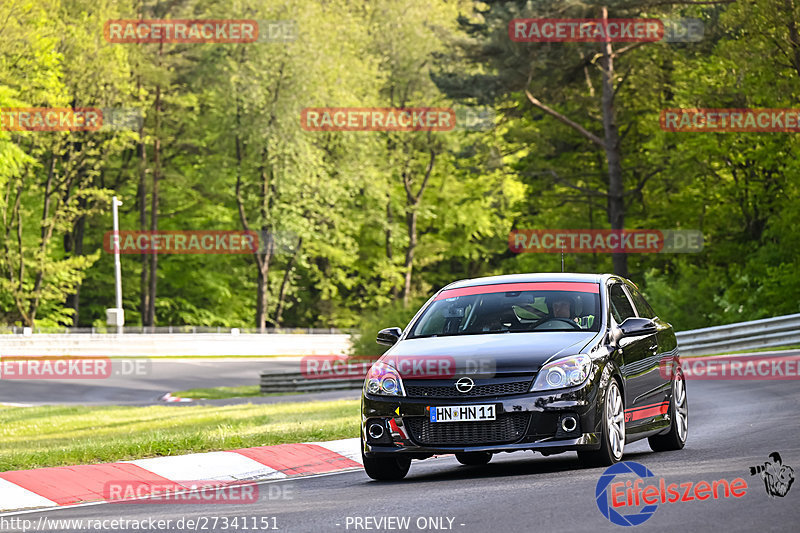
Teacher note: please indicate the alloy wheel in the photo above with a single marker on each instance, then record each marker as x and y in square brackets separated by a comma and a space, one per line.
[681, 408]
[615, 420]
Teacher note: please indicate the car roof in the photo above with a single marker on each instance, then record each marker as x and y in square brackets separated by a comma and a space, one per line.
[529, 277]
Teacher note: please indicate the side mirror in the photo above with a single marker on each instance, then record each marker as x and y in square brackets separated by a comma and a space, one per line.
[389, 336]
[635, 327]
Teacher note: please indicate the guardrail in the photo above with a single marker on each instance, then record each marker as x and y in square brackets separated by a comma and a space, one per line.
[755, 334]
[297, 382]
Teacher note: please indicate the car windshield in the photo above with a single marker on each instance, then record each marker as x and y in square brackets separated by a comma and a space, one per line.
[484, 309]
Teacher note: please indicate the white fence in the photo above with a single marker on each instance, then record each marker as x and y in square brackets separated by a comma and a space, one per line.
[161, 344]
[778, 331]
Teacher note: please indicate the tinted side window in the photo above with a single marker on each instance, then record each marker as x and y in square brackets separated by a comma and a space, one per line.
[620, 305]
[641, 304]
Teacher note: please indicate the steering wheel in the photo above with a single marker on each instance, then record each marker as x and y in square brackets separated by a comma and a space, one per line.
[553, 319]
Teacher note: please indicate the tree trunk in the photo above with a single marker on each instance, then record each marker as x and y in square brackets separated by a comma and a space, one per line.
[8, 223]
[141, 198]
[389, 224]
[75, 247]
[285, 283]
[411, 225]
[262, 308]
[794, 36]
[151, 308]
[610, 143]
[263, 260]
[16, 216]
[265, 196]
[263, 251]
[616, 205]
[45, 233]
[262, 292]
[412, 206]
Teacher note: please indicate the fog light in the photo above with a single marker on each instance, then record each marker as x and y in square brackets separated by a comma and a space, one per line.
[568, 424]
[375, 430]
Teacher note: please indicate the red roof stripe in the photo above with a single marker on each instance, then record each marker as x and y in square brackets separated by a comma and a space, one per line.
[575, 286]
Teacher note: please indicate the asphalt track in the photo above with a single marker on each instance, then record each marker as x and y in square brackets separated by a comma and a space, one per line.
[144, 381]
[733, 425]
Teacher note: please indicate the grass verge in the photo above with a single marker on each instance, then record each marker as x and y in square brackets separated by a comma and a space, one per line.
[34, 437]
[217, 393]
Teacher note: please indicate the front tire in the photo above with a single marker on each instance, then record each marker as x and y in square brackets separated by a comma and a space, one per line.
[612, 438]
[675, 438]
[386, 468]
[474, 458]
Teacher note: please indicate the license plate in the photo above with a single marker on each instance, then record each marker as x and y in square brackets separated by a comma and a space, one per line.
[462, 413]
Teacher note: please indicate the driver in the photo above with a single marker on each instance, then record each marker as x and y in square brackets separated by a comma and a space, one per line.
[560, 307]
[565, 307]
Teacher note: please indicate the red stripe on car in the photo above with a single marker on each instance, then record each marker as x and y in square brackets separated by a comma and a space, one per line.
[573, 286]
[647, 411]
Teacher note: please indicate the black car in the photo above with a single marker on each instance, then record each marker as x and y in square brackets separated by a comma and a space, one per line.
[543, 362]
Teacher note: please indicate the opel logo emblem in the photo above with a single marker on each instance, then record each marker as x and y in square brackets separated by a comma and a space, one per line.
[464, 385]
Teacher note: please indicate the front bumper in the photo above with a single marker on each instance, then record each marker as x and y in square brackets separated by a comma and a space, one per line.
[542, 413]
[587, 441]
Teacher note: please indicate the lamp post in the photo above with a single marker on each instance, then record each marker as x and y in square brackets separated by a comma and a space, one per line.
[116, 316]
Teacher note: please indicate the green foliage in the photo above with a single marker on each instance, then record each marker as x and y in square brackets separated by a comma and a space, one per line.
[342, 203]
[374, 320]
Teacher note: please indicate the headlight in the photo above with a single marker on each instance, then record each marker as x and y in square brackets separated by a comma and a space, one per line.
[384, 380]
[565, 372]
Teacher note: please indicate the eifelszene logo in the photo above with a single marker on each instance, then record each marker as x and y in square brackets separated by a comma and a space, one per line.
[615, 497]
[606, 504]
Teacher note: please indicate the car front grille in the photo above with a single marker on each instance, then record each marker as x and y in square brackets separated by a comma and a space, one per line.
[509, 427]
[448, 390]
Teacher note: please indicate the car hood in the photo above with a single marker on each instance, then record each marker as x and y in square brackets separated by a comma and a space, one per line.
[500, 353]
